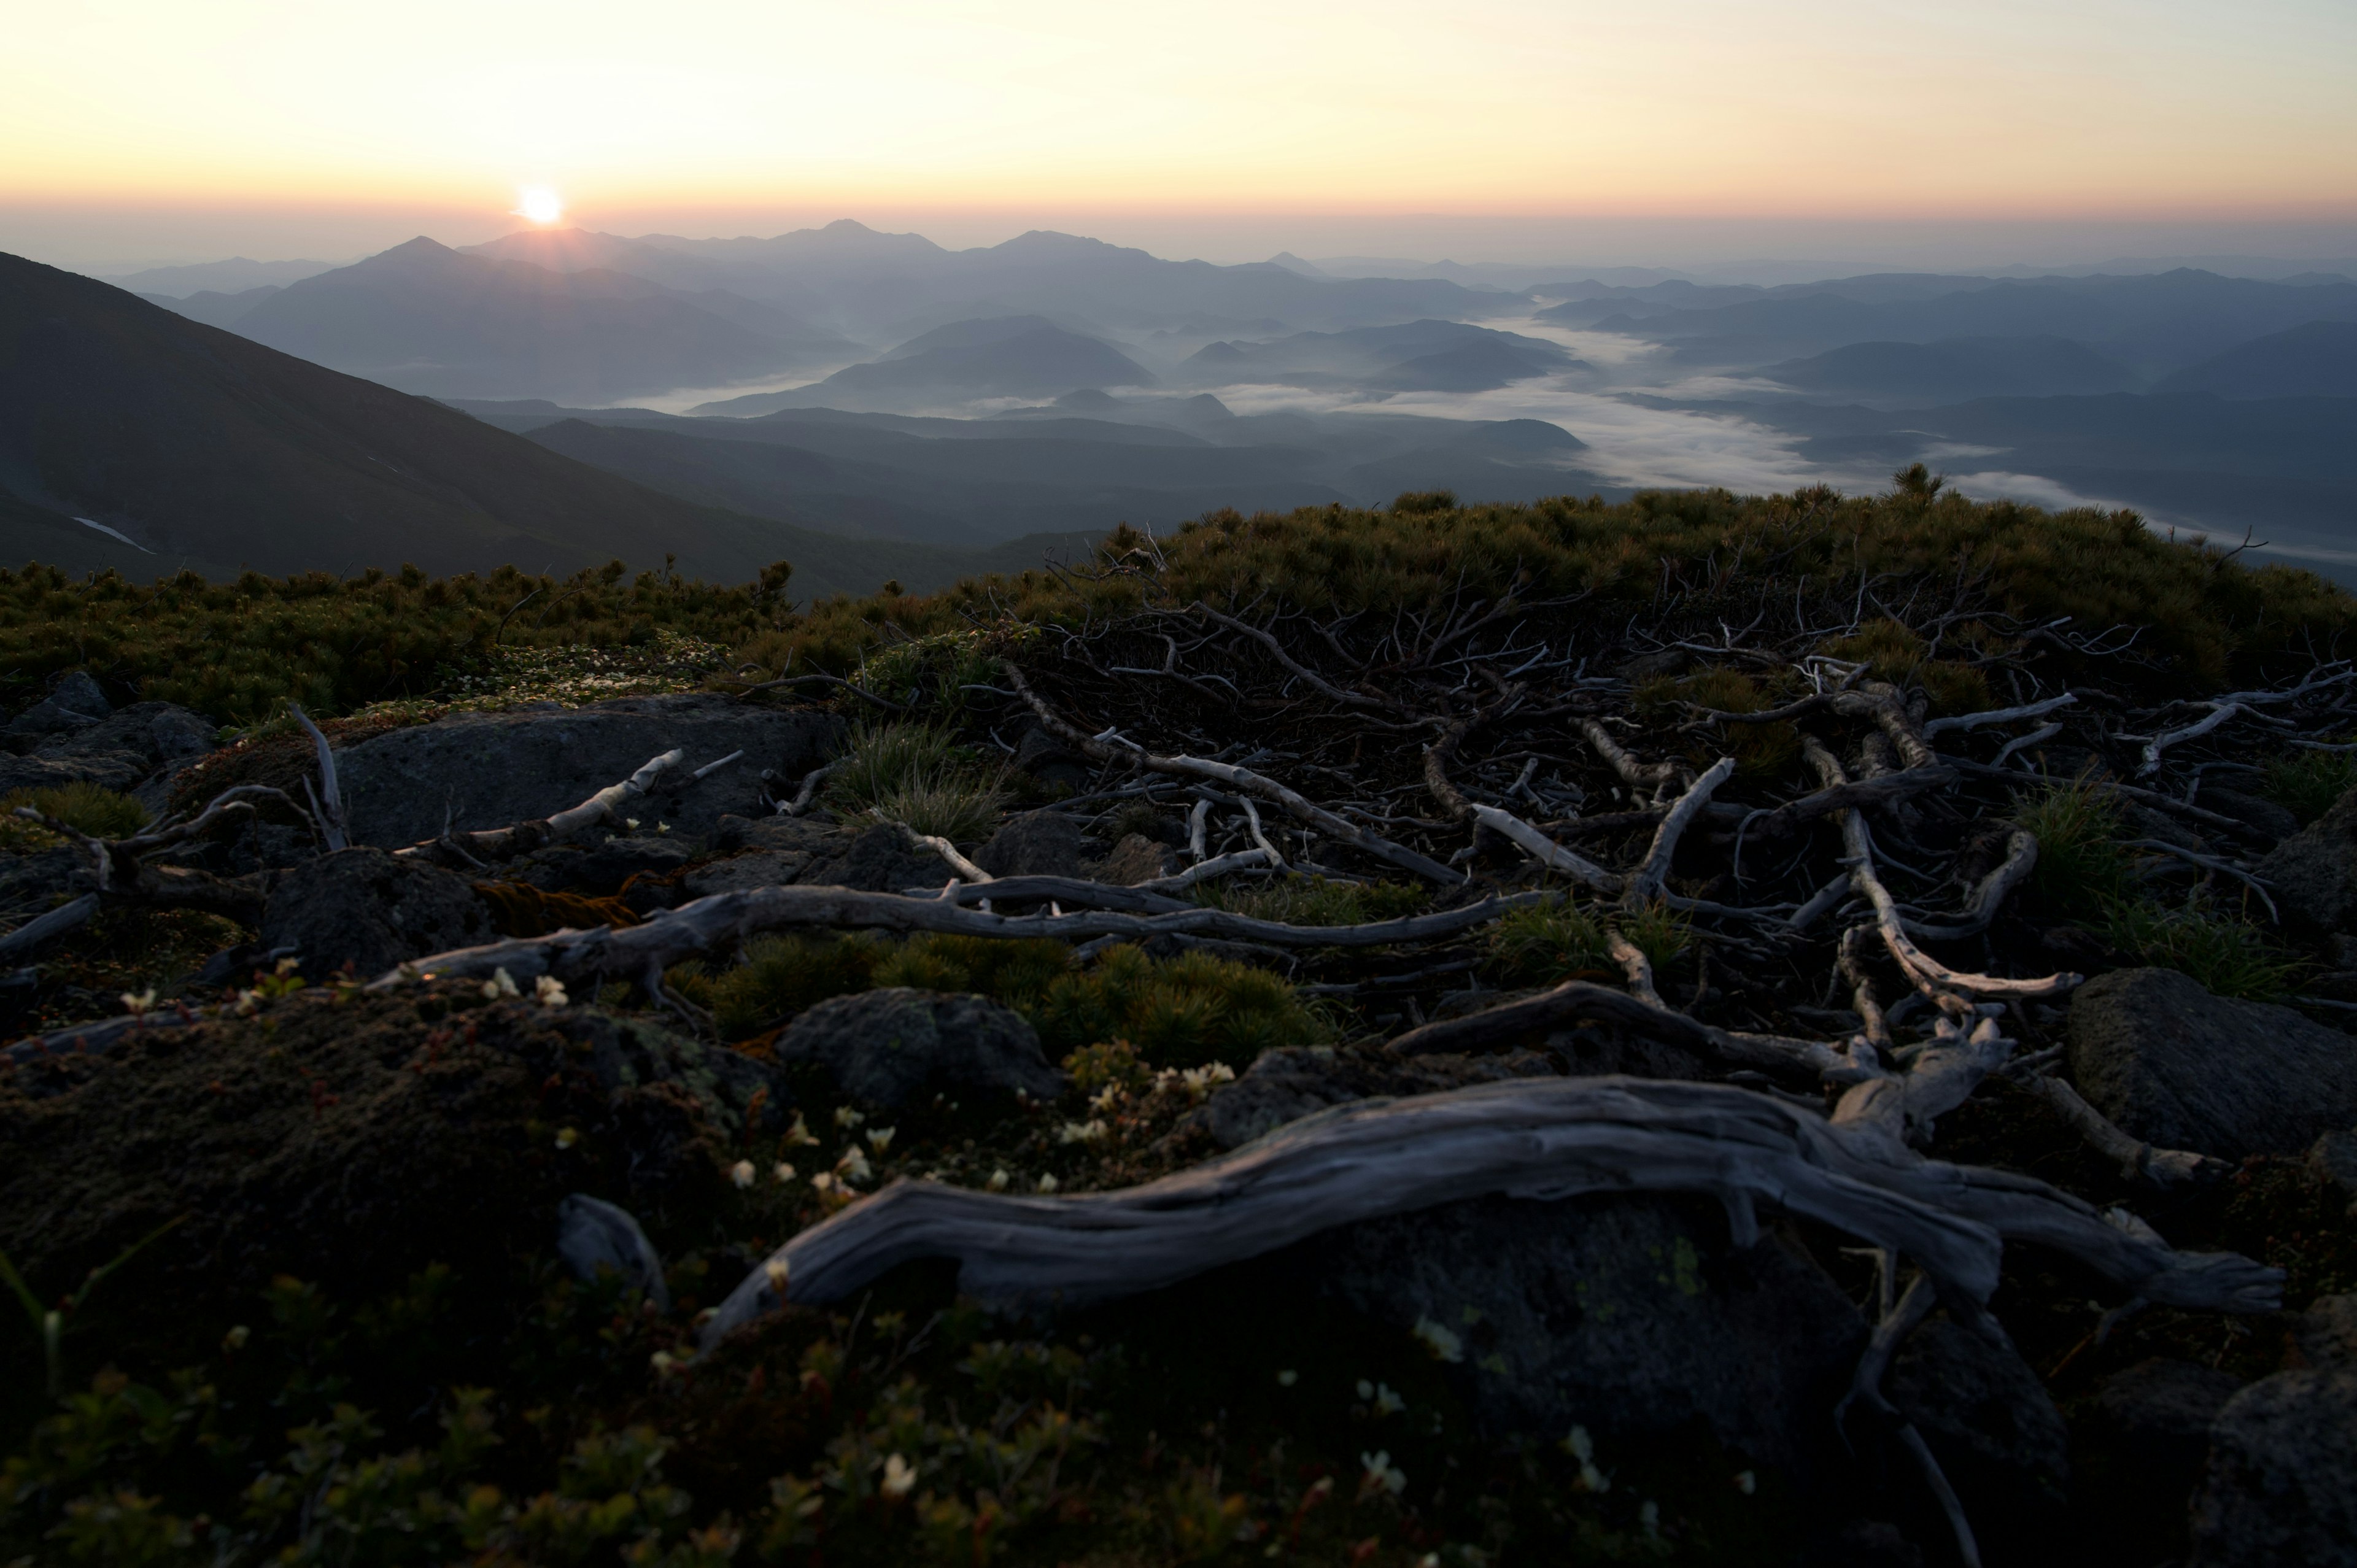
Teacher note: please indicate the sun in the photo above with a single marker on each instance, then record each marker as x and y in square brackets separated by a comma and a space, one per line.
[539, 204]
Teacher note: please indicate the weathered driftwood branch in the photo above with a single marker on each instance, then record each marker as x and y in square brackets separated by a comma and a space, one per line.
[1866, 1388]
[1635, 774]
[40, 929]
[1545, 850]
[1999, 715]
[523, 838]
[1989, 894]
[2139, 1160]
[1644, 884]
[1238, 779]
[1576, 1001]
[1792, 815]
[672, 936]
[1529, 1138]
[1276, 650]
[2209, 863]
[939, 846]
[328, 800]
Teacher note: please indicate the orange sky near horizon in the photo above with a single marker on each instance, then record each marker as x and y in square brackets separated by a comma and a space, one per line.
[2069, 109]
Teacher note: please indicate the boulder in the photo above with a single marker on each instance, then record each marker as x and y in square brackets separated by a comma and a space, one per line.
[754, 868]
[74, 703]
[351, 1141]
[2333, 1161]
[2183, 1070]
[373, 911]
[1627, 1314]
[2327, 1332]
[1135, 859]
[122, 751]
[1038, 843]
[595, 1237]
[598, 866]
[891, 1047]
[1989, 1421]
[489, 770]
[873, 860]
[1291, 1082]
[2314, 871]
[2143, 1436]
[1051, 761]
[2281, 1483]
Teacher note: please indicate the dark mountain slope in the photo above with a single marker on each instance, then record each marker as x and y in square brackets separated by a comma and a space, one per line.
[196, 441]
[424, 318]
[2317, 359]
[1957, 370]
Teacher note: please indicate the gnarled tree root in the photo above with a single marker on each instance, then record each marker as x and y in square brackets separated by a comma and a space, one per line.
[1529, 1138]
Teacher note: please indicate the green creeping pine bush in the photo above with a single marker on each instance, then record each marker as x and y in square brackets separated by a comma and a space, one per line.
[1183, 1012]
[1547, 943]
[2307, 783]
[102, 813]
[1313, 900]
[920, 775]
[236, 650]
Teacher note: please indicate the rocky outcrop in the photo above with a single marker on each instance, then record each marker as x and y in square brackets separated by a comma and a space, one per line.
[2262, 816]
[1287, 1084]
[873, 860]
[1987, 1418]
[2281, 1485]
[134, 746]
[1038, 843]
[2314, 871]
[489, 770]
[74, 703]
[1627, 1315]
[373, 911]
[894, 1047]
[2183, 1070]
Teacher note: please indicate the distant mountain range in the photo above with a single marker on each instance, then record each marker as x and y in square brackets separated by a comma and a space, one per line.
[133, 439]
[1415, 356]
[2317, 358]
[1014, 356]
[1955, 370]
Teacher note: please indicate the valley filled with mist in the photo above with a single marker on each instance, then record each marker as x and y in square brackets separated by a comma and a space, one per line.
[896, 408]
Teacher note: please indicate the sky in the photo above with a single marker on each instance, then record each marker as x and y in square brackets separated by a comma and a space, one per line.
[137, 131]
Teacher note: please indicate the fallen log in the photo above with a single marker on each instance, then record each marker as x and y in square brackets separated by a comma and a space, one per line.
[1541, 1139]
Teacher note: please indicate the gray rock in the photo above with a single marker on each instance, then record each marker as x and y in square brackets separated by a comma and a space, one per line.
[1626, 1314]
[2183, 1070]
[873, 860]
[2161, 1411]
[1135, 859]
[593, 1236]
[2314, 871]
[2281, 1484]
[74, 703]
[1038, 843]
[599, 867]
[755, 868]
[732, 834]
[489, 770]
[2327, 1332]
[373, 911]
[120, 751]
[1287, 1084]
[1988, 1421]
[1049, 760]
[2256, 812]
[2333, 1161]
[888, 1047]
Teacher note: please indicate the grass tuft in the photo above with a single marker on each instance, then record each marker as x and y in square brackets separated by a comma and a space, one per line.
[2230, 956]
[99, 812]
[1546, 944]
[920, 775]
[2307, 783]
[2082, 869]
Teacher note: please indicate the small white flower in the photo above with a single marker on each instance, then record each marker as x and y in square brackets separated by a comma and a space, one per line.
[249, 1003]
[138, 1002]
[741, 1173]
[549, 991]
[567, 1136]
[236, 1337]
[1580, 1444]
[663, 1362]
[1081, 1132]
[775, 1270]
[1287, 1378]
[854, 1165]
[1439, 1341]
[822, 1182]
[630, 822]
[1745, 1482]
[1388, 1403]
[1383, 1473]
[844, 1116]
[1047, 1182]
[1104, 1099]
[800, 1133]
[880, 1138]
[998, 1179]
[899, 1476]
[782, 1173]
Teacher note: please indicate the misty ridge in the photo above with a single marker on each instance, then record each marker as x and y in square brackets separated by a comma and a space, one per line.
[876, 387]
